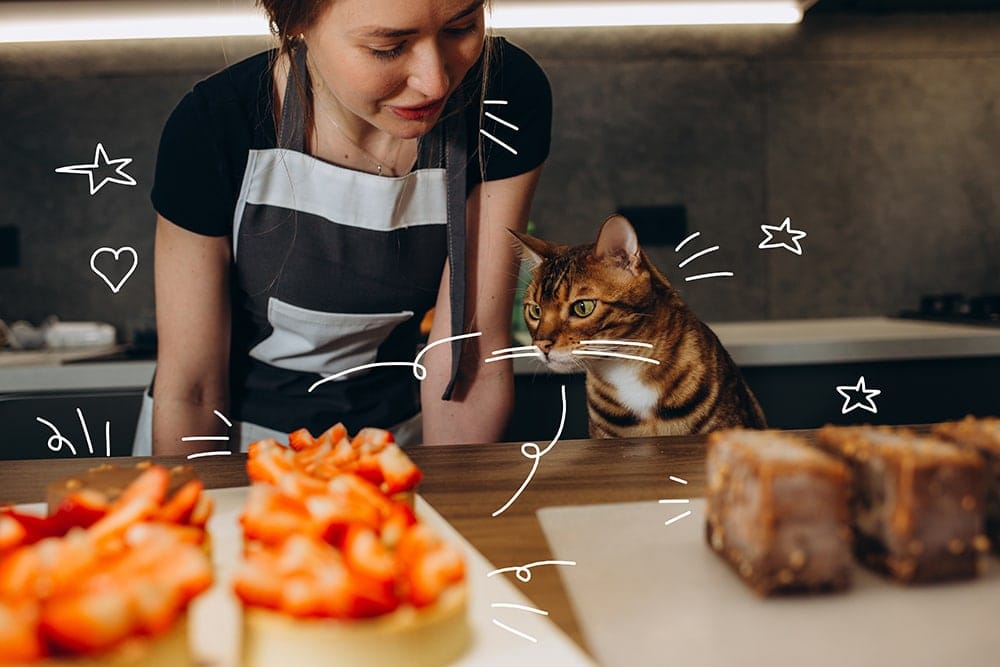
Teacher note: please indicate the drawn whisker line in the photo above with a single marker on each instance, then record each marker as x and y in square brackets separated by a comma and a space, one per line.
[601, 341]
[674, 500]
[534, 355]
[702, 253]
[497, 141]
[199, 455]
[616, 355]
[717, 274]
[514, 631]
[204, 438]
[223, 418]
[511, 605]
[676, 518]
[494, 101]
[683, 243]
[677, 479]
[523, 572]
[520, 348]
[86, 431]
[502, 121]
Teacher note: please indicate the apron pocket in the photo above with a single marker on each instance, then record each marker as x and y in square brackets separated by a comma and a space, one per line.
[312, 341]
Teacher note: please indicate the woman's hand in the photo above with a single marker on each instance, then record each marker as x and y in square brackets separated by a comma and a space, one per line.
[193, 333]
[484, 394]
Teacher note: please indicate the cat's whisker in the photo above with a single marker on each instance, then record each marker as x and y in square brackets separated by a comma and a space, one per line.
[717, 274]
[685, 241]
[695, 256]
[601, 341]
[616, 355]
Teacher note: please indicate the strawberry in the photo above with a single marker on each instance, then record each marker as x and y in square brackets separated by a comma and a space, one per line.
[365, 554]
[12, 533]
[80, 509]
[155, 605]
[399, 472]
[256, 582]
[370, 440]
[202, 511]
[432, 572]
[180, 506]
[152, 484]
[19, 638]
[301, 439]
[333, 435]
[90, 622]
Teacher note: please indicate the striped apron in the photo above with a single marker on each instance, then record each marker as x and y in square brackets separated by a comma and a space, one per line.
[334, 269]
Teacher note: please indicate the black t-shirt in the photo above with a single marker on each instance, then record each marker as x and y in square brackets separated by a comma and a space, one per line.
[205, 142]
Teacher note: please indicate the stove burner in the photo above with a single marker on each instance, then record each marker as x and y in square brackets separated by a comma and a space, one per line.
[958, 308]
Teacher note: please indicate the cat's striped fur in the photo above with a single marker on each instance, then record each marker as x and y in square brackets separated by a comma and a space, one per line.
[695, 387]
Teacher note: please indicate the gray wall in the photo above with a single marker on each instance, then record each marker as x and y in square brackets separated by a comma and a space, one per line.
[878, 136]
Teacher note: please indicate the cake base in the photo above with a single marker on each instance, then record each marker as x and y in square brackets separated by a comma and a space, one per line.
[168, 650]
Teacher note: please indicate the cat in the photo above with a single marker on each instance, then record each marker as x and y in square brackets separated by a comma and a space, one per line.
[607, 291]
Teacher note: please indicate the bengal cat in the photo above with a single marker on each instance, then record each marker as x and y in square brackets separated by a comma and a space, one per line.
[586, 303]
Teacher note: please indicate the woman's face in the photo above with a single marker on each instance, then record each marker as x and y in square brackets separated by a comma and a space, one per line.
[393, 63]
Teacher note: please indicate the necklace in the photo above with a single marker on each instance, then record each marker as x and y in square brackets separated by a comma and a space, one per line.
[371, 158]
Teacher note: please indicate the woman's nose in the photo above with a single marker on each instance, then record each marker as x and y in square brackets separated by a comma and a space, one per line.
[430, 72]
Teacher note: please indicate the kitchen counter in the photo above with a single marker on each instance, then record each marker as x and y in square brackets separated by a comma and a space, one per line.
[764, 343]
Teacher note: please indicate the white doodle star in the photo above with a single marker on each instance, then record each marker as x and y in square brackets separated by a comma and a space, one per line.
[785, 228]
[101, 160]
[858, 396]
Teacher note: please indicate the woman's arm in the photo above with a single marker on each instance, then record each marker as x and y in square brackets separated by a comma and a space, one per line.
[191, 276]
[484, 394]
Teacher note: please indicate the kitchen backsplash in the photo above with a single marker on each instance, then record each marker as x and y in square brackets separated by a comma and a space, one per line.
[877, 137]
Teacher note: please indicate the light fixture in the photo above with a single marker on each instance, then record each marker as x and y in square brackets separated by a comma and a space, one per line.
[125, 19]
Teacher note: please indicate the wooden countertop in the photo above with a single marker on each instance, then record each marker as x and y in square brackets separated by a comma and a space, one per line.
[467, 483]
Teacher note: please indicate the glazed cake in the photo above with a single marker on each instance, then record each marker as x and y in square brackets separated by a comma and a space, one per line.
[984, 436]
[916, 502]
[777, 511]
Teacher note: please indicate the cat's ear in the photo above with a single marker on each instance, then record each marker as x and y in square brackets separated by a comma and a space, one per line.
[535, 251]
[618, 241]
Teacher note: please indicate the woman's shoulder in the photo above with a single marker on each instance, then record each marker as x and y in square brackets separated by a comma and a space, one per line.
[511, 67]
[242, 83]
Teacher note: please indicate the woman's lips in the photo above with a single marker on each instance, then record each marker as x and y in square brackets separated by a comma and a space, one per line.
[418, 113]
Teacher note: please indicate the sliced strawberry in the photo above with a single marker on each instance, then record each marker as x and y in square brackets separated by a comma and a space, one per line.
[152, 485]
[365, 554]
[301, 439]
[155, 605]
[333, 435]
[399, 471]
[394, 526]
[180, 506]
[369, 468]
[35, 527]
[257, 583]
[19, 572]
[414, 543]
[80, 509]
[370, 440]
[268, 461]
[432, 573]
[271, 517]
[12, 533]
[334, 515]
[202, 512]
[371, 597]
[19, 638]
[90, 622]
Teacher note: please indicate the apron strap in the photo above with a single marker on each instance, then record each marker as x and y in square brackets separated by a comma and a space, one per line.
[456, 161]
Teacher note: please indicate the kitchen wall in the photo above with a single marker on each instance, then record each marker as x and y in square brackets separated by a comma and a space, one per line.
[878, 136]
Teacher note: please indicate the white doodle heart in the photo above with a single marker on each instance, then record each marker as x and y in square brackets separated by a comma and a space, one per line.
[117, 253]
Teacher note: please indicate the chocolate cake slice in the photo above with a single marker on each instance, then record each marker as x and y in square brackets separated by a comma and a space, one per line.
[984, 436]
[916, 502]
[777, 511]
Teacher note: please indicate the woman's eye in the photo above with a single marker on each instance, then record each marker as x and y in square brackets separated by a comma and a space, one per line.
[462, 29]
[584, 307]
[534, 311]
[386, 53]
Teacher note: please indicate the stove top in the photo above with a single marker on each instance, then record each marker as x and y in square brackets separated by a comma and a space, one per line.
[954, 307]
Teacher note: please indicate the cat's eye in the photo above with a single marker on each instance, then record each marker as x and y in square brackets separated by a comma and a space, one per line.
[533, 311]
[584, 307]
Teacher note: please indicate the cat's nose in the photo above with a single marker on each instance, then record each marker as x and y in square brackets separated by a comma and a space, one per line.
[544, 345]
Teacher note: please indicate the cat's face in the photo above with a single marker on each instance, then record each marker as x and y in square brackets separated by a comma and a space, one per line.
[597, 291]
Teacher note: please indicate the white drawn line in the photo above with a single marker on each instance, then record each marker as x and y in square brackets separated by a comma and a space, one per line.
[58, 438]
[511, 605]
[223, 418]
[718, 274]
[497, 141]
[516, 632]
[618, 355]
[86, 432]
[676, 518]
[685, 241]
[198, 455]
[535, 355]
[525, 570]
[633, 343]
[107, 438]
[674, 500]
[200, 438]
[695, 256]
[494, 101]
[536, 456]
[677, 479]
[520, 348]
[502, 121]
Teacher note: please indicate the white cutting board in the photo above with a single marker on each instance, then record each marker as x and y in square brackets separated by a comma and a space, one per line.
[646, 593]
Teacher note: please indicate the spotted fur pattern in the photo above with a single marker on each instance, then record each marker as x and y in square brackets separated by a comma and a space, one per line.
[610, 291]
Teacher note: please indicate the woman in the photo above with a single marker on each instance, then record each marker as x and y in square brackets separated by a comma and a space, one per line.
[305, 225]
